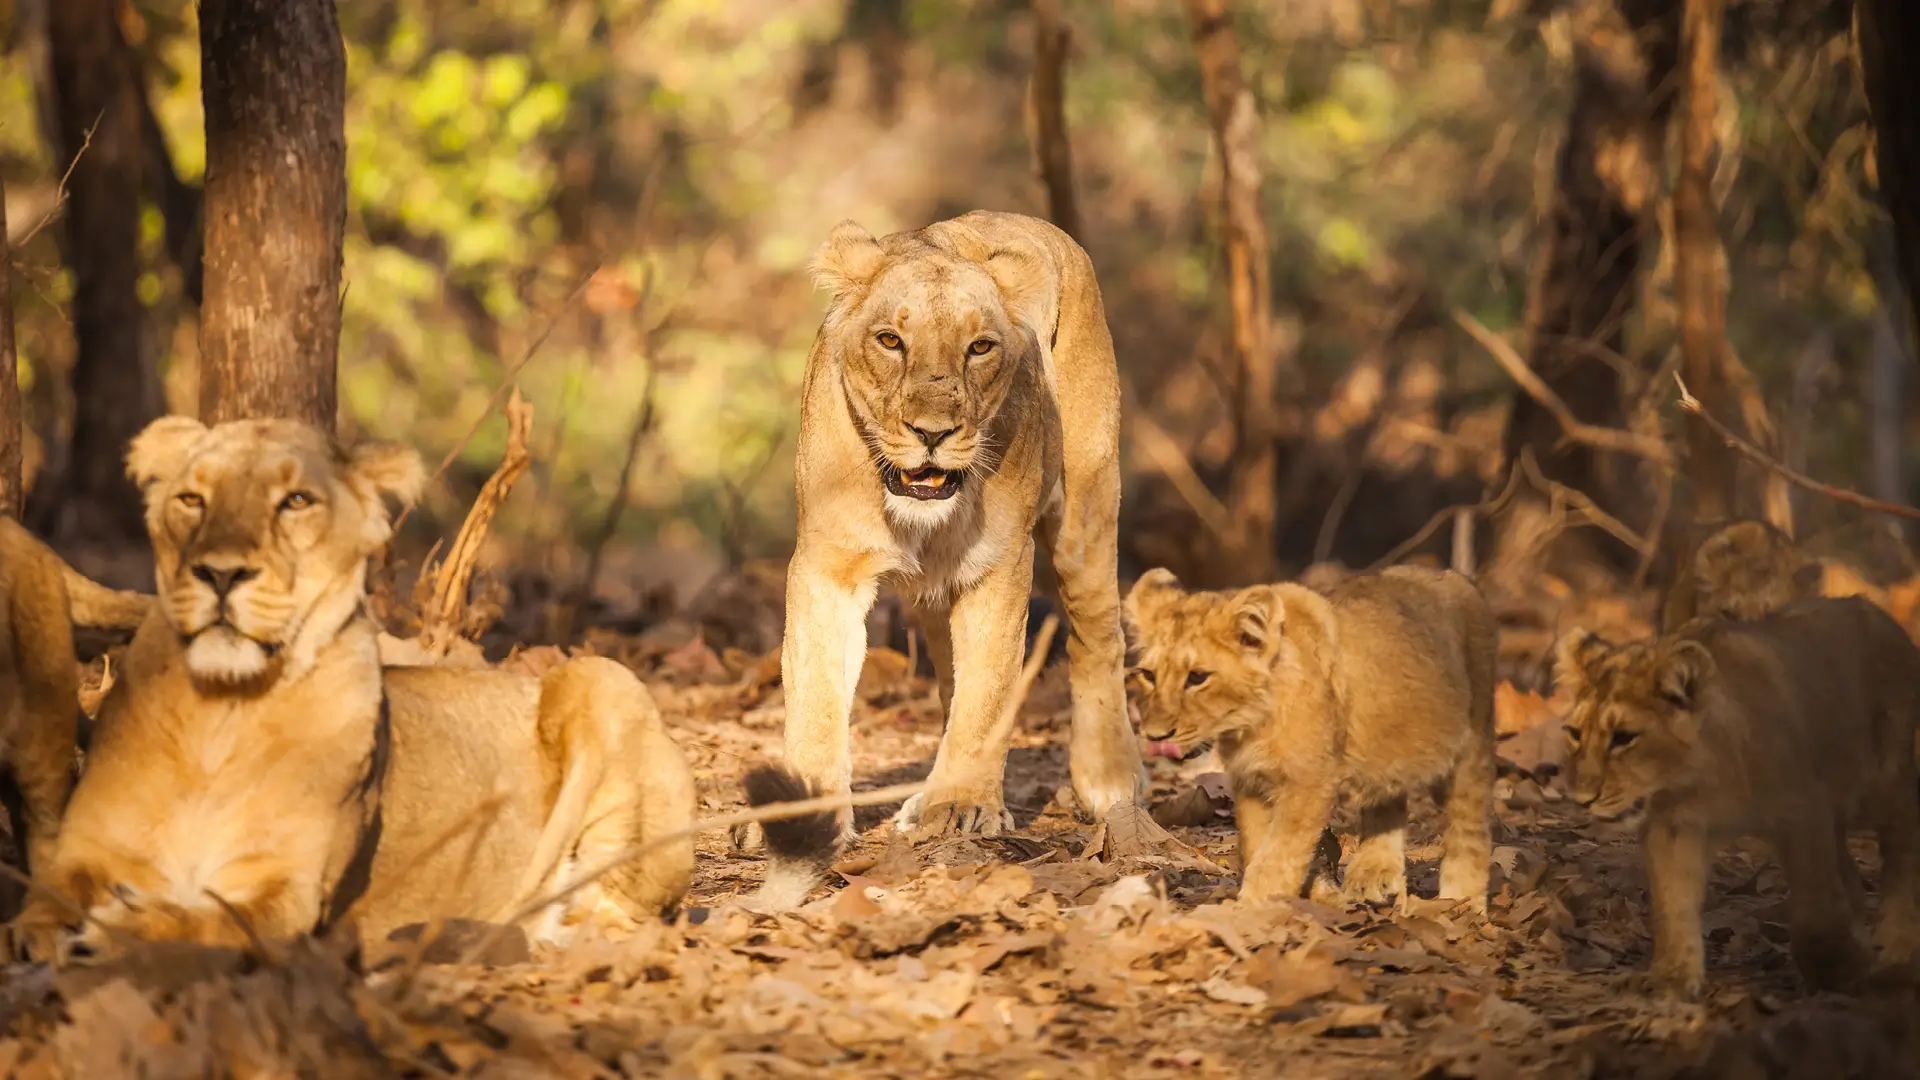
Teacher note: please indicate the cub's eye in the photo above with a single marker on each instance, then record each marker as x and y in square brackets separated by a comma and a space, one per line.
[887, 339]
[1144, 676]
[980, 348]
[299, 500]
[1197, 679]
[1623, 739]
[190, 500]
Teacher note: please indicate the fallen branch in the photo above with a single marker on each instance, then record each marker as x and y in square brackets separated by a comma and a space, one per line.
[1691, 404]
[445, 615]
[1572, 427]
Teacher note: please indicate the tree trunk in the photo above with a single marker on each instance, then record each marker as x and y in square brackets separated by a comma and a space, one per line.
[1252, 479]
[12, 430]
[1047, 112]
[273, 74]
[1699, 290]
[1587, 274]
[89, 509]
[1888, 32]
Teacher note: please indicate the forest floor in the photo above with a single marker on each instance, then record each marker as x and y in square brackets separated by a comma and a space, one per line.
[1026, 955]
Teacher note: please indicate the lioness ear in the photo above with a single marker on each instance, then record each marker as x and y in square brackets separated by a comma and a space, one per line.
[848, 260]
[1151, 590]
[1022, 280]
[161, 449]
[1258, 617]
[1685, 664]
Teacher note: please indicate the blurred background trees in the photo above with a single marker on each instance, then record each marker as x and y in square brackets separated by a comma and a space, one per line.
[613, 199]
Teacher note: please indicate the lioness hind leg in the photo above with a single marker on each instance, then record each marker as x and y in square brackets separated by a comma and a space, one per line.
[620, 781]
[1377, 873]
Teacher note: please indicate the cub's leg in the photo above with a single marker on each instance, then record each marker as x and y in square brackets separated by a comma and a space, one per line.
[1377, 872]
[829, 591]
[617, 780]
[1083, 540]
[1676, 856]
[1280, 827]
[1825, 949]
[988, 625]
[1467, 846]
[937, 623]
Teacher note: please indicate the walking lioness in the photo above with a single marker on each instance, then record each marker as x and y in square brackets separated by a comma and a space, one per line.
[1382, 686]
[960, 400]
[1792, 728]
[254, 770]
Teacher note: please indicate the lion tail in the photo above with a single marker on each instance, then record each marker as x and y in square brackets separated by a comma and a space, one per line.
[799, 848]
[563, 826]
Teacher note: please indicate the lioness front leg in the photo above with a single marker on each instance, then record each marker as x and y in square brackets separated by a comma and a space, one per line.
[1676, 858]
[1377, 873]
[988, 625]
[1279, 831]
[829, 591]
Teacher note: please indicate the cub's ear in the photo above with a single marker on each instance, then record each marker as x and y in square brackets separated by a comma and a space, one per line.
[1575, 650]
[848, 260]
[1683, 667]
[161, 449]
[379, 469]
[1150, 592]
[1258, 617]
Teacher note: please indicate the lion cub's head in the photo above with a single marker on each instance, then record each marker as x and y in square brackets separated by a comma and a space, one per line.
[1205, 660]
[1634, 727]
[1749, 569]
[261, 531]
[929, 329]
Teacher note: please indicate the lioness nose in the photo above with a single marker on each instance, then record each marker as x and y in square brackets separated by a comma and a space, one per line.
[222, 579]
[929, 437]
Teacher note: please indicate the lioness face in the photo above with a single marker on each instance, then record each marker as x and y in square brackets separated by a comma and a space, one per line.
[261, 530]
[1633, 730]
[1204, 661]
[928, 345]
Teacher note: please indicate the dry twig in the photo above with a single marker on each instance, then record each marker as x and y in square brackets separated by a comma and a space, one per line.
[441, 623]
[1745, 449]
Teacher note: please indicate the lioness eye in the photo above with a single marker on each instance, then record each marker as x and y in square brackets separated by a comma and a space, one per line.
[980, 348]
[189, 500]
[1623, 739]
[299, 500]
[888, 339]
[1198, 678]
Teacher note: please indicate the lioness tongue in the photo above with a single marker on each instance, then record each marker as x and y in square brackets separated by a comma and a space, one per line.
[931, 478]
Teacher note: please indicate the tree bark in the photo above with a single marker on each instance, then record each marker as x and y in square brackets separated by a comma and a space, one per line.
[88, 507]
[1698, 288]
[1046, 108]
[12, 430]
[1253, 468]
[1887, 33]
[1588, 270]
[273, 76]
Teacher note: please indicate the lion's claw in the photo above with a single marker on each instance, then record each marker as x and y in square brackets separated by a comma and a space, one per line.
[952, 814]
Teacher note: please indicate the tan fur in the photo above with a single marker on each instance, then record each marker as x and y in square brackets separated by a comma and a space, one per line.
[232, 755]
[1792, 728]
[41, 597]
[1034, 434]
[1742, 571]
[1381, 686]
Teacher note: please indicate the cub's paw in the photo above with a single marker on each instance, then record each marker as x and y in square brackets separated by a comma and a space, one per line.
[1678, 981]
[936, 813]
[1375, 881]
[37, 933]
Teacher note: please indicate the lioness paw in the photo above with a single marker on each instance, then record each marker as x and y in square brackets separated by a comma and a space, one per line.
[929, 815]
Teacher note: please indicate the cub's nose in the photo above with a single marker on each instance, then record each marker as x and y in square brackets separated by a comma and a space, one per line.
[222, 579]
[929, 437]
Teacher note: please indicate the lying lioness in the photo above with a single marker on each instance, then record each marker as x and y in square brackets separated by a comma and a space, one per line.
[254, 770]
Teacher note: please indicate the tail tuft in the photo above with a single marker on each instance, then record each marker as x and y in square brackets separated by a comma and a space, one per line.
[798, 848]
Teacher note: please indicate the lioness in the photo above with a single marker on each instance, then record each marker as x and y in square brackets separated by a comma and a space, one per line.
[41, 599]
[1382, 685]
[960, 399]
[1793, 729]
[254, 770]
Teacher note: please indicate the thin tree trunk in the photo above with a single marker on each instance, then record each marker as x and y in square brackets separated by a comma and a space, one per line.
[1252, 480]
[1699, 290]
[89, 508]
[1587, 275]
[12, 430]
[1046, 110]
[1888, 33]
[273, 74]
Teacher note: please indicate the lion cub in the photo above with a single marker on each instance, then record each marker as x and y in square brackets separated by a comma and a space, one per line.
[1792, 728]
[1742, 571]
[1380, 686]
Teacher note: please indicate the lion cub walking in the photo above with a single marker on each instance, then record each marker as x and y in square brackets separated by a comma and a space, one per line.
[1792, 728]
[1381, 686]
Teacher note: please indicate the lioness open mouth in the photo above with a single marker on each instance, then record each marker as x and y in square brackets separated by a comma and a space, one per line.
[926, 482]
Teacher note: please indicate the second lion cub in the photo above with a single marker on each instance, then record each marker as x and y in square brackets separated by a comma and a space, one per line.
[1382, 685]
